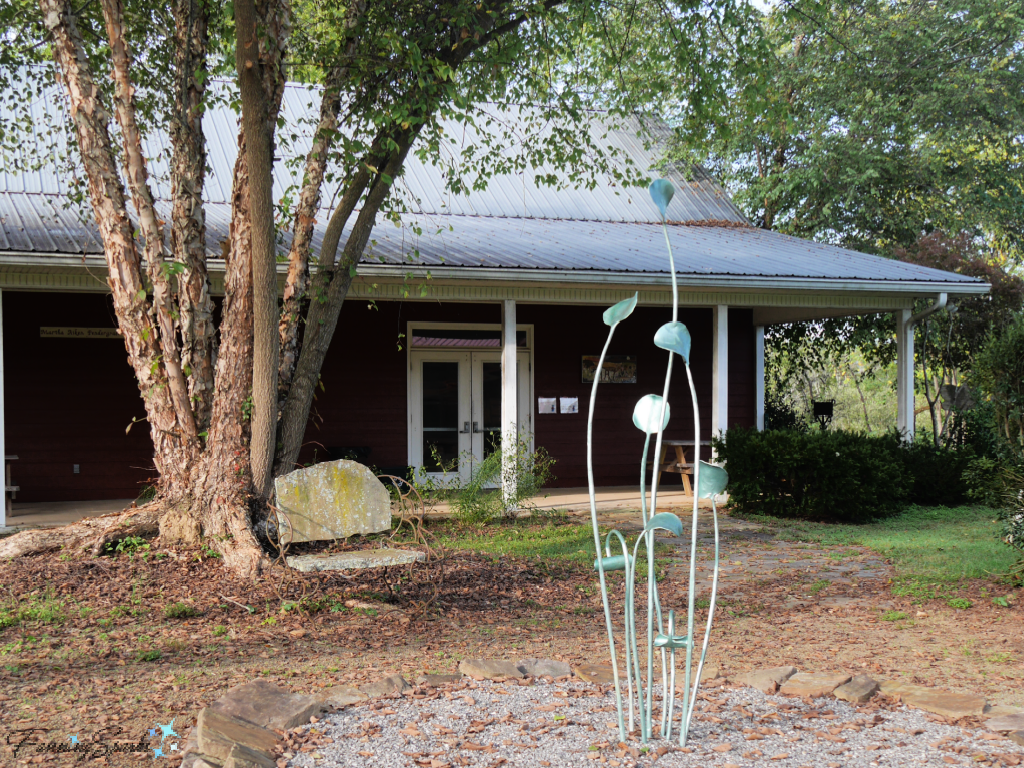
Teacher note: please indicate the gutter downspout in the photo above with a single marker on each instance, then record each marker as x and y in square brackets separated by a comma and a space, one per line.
[939, 304]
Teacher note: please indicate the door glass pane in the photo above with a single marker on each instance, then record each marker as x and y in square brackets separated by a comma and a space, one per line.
[440, 414]
[491, 407]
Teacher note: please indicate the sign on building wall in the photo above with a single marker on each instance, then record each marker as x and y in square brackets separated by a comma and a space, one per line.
[618, 369]
[78, 333]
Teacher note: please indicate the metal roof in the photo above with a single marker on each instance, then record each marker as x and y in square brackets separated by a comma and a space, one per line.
[512, 224]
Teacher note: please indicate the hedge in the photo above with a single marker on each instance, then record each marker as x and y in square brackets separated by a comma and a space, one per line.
[836, 475]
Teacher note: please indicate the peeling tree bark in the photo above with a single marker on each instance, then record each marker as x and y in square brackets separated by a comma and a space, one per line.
[116, 230]
[142, 196]
[188, 218]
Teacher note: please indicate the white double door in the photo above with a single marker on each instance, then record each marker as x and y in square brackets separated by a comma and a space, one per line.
[455, 413]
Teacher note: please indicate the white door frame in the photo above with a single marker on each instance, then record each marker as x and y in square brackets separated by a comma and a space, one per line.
[525, 417]
[414, 398]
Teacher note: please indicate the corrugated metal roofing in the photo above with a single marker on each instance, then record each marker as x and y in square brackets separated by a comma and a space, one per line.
[512, 224]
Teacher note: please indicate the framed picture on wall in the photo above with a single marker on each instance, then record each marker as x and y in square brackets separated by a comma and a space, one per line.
[617, 369]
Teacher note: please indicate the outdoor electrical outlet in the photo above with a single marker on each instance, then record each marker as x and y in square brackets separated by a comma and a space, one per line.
[74, 469]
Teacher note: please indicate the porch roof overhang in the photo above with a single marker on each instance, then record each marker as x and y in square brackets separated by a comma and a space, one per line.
[773, 298]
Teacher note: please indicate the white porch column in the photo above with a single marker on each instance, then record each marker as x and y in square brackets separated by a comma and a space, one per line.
[509, 400]
[720, 370]
[3, 423]
[905, 374]
[759, 376]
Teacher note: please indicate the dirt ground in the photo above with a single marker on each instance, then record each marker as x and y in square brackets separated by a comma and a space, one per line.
[107, 649]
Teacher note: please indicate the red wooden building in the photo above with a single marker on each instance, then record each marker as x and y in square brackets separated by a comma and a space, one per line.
[417, 358]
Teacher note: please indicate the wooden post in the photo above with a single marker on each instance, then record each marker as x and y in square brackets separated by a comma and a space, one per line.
[719, 370]
[509, 401]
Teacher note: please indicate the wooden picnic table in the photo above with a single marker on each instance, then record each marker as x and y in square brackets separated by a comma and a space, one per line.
[9, 488]
[679, 465]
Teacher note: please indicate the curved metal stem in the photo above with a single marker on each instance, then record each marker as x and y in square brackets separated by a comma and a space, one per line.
[693, 563]
[597, 534]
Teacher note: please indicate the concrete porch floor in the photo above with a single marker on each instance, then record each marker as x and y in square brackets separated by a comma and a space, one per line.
[572, 500]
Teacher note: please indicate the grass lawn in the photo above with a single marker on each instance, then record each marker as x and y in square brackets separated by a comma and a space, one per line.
[927, 545]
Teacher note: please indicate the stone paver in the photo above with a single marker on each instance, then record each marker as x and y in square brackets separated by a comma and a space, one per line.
[935, 700]
[385, 687]
[1006, 723]
[813, 684]
[600, 674]
[217, 733]
[766, 680]
[544, 667]
[436, 680]
[265, 704]
[485, 669]
[345, 695]
[859, 690]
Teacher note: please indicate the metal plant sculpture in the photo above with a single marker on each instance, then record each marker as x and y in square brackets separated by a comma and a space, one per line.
[651, 416]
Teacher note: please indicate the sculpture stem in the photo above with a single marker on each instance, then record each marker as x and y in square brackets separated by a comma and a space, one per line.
[597, 534]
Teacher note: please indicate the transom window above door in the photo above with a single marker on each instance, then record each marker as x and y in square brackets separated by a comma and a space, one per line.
[456, 337]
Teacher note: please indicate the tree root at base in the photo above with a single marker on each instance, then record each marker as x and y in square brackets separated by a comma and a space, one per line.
[92, 533]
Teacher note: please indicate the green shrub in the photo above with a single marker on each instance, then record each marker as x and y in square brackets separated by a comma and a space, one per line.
[839, 476]
[936, 475]
[821, 475]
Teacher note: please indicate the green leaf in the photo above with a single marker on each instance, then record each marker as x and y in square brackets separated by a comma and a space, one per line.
[619, 312]
[662, 192]
[674, 337]
[647, 412]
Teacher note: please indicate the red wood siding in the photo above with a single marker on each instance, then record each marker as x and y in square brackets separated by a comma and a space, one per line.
[68, 401]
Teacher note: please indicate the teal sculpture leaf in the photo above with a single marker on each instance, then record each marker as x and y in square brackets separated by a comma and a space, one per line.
[648, 411]
[619, 312]
[666, 521]
[662, 192]
[675, 338]
[711, 480]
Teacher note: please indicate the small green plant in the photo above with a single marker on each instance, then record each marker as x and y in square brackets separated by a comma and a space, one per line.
[46, 609]
[270, 621]
[480, 498]
[119, 611]
[180, 611]
[893, 616]
[1002, 602]
[818, 586]
[148, 655]
[129, 545]
[960, 603]
[220, 630]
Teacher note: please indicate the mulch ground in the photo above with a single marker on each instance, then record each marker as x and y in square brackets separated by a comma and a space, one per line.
[97, 656]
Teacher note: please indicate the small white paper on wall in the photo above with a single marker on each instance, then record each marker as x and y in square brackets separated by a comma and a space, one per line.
[569, 404]
[547, 405]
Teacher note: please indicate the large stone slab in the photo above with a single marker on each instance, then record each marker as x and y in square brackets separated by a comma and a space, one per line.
[345, 695]
[241, 756]
[1006, 723]
[813, 684]
[1017, 737]
[599, 674]
[218, 733]
[486, 669]
[858, 690]
[386, 686]
[544, 668]
[434, 680]
[268, 706]
[362, 558]
[766, 680]
[936, 700]
[331, 500]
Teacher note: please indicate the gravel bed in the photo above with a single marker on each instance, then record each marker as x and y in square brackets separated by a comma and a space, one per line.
[549, 723]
